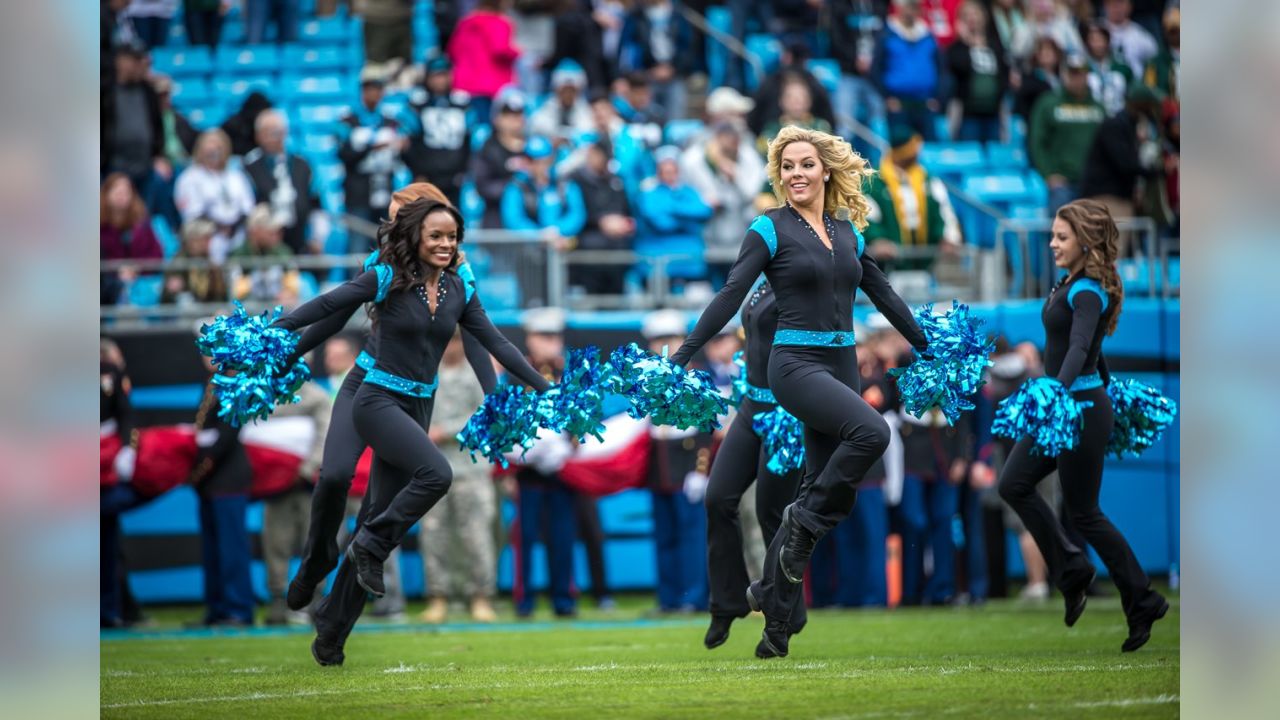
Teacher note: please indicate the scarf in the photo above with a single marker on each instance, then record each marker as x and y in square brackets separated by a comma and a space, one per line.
[916, 178]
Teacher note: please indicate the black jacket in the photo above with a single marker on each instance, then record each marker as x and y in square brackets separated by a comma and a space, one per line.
[440, 146]
[107, 109]
[867, 18]
[602, 196]
[222, 466]
[578, 38]
[1112, 166]
[262, 173]
[491, 173]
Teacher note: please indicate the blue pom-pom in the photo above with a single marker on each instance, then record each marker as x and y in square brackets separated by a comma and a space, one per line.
[1141, 413]
[1043, 409]
[252, 358]
[575, 405]
[665, 392]
[783, 438]
[507, 419]
[739, 380]
[960, 353]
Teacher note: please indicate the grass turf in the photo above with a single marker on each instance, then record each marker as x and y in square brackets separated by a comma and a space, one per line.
[999, 660]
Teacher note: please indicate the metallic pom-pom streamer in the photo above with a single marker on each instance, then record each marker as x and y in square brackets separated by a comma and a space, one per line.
[252, 358]
[739, 380]
[952, 369]
[575, 405]
[665, 392]
[1141, 413]
[504, 421]
[1043, 409]
[783, 437]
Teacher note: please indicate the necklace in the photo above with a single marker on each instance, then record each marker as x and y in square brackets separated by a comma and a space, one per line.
[442, 292]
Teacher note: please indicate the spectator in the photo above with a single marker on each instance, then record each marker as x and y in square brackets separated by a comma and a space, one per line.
[536, 37]
[580, 39]
[276, 283]
[241, 126]
[610, 224]
[372, 138]
[260, 14]
[1061, 130]
[199, 284]
[457, 535]
[132, 133]
[440, 146]
[1047, 18]
[150, 20]
[854, 37]
[502, 155]
[1011, 24]
[679, 461]
[719, 352]
[644, 118]
[210, 189]
[1109, 76]
[796, 104]
[565, 115]
[125, 234]
[726, 105]
[1042, 76]
[981, 75]
[203, 19]
[942, 16]
[388, 31]
[179, 139]
[728, 174]
[286, 516]
[483, 54]
[657, 41]
[910, 62]
[222, 478]
[768, 98]
[1126, 151]
[117, 495]
[1162, 72]
[537, 200]
[672, 217]
[283, 180]
[1129, 39]
[909, 209]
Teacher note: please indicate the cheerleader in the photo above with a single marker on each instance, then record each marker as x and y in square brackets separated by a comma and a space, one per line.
[740, 461]
[419, 299]
[811, 250]
[1082, 309]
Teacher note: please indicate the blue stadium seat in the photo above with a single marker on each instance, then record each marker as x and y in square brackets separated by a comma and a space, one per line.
[315, 60]
[718, 56]
[1000, 189]
[678, 132]
[941, 128]
[1037, 188]
[479, 135]
[1017, 131]
[319, 118]
[330, 176]
[768, 49]
[314, 89]
[177, 34]
[827, 71]
[952, 160]
[1006, 157]
[333, 201]
[320, 144]
[208, 115]
[234, 90]
[192, 92]
[168, 239]
[232, 29]
[248, 59]
[145, 291]
[470, 203]
[501, 292]
[183, 62]
[325, 31]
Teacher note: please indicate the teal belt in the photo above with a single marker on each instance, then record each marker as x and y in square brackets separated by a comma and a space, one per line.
[1086, 382]
[404, 386]
[761, 395]
[814, 337]
[365, 361]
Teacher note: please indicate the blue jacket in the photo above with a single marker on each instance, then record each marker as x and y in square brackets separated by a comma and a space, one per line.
[558, 204]
[670, 221]
[910, 66]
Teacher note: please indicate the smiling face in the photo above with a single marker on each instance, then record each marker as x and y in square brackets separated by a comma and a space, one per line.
[1068, 253]
[439, 240]
[801, 173]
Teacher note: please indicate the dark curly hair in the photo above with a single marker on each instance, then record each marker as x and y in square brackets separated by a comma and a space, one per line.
[400, 239]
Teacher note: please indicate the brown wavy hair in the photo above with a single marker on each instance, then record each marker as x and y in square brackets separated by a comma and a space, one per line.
[1099, 238]
[403, 236]
[136, 213]
[842, 196]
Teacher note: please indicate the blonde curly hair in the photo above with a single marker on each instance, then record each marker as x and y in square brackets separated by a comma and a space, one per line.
[843, 197]
[1098, 236]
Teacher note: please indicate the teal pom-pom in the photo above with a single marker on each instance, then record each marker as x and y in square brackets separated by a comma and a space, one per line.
[665, 392]
[783, 437]
[575, 405]
[952, 369]
[507, 419]
[1043, 409]
[739, 380]
[1142, 415]
[253, 360]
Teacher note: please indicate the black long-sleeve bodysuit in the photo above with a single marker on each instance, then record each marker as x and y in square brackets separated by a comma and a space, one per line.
[343, 446]
[1075, 318]
[409, 473]
[741, 461]
[814, 286]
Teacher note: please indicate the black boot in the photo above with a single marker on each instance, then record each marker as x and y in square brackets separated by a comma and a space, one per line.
[718, 632]
[326, 655]
[797, 546]
[1140, 625]
[1076, 598]
[368, 570]
[299, 594]
[775, 640]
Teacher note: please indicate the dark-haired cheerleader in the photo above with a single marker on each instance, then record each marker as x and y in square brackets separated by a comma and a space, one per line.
[1081, 310]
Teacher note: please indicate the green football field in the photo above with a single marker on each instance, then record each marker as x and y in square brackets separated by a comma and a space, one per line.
[1003, 659]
